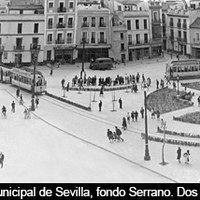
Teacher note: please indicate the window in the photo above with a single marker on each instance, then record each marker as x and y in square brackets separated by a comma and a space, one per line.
[0, 41]
[19, 28]
[70, 22]
[122, 47]
[119, 8]
[145, 24]
[71, 5]
[129, 39]
[185, 36]
[93, 37]
[121, 36]
[50, 22]
[101, 22]
[145, 38]
[60, 20]
[137, 38]
[197, 36]
[69, 37]
[61, 6]
[49, 38]
[101, 36]
[129, 24]
[19, 43]
[155, 16]
[84, 35]
[35, 42]
[50, 4]
[84, 19]
[179, 34]
[36, 28]
[137, 24]
[93, 22]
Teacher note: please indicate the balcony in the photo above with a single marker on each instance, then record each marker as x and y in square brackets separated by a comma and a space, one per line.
[93, 25]
[1, 48]
[84, 41]
[102, 24]
[69, 40]
[85, 24]
[18, 48]
[171, 37]
[122, 49]
[171, 24]
[49, 42]
[60, 25]
[70, 25]
[50, 26]
[179, 25]
[158, 21]
[102, 41]
[61, 9]
[184, 26]
[34, 46]
[60, 41]
[130, 43]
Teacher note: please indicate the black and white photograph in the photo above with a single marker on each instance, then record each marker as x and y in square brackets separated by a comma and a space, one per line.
[100, 91]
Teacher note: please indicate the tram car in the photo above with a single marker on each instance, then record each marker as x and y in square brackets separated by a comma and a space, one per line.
[23, 78]
[5, 74]
[183, 69]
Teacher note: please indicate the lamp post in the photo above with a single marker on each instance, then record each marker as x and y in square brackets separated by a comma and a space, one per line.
[177, 78]
[83, 53]
[163, 125]
[34, 52]
[147, 156]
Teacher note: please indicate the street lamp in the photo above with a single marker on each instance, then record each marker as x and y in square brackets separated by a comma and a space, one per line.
[163, 125]
[34, 52]
[83, 53]
[177, 78]
[147, 156]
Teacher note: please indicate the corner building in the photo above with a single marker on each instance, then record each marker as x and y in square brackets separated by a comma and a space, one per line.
[60, 31]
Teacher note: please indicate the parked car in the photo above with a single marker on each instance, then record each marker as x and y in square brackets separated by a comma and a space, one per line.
[101, 64]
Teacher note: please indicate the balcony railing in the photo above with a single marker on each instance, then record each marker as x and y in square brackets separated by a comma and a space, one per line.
[85, 24]
[138, 43]
[171, 37]
[60, 25]
[19, 48]
[93, 41]
[50, 26]
[179, 25]
[158, 21]
[93, 25]
[60, 41]
[102, 24]
[34, 46]
[171, 24]
[49, 42]
[70, 25]
[102, 41]
[185, 26]
[84, 41]
[1, 48]
[69, 40]
[63, 9]
[123, 49]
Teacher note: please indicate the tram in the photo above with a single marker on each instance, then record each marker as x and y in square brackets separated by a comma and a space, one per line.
[5, 74]
[184, 69]
[23, 78]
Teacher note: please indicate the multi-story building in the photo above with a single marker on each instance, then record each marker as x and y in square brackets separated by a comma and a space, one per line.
[136, 17]
[21, 34]
[93, 30]
[179, 20]
[60, 30]
[195, 38]
[156, 36]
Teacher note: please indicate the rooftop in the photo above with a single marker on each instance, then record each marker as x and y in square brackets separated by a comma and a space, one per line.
[196, 23]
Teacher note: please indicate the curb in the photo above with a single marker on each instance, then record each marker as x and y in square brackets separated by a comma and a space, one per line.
[69, 102]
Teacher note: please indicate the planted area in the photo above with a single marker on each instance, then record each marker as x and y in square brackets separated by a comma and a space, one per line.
[193, 118]
[194, 85]
[166, 100]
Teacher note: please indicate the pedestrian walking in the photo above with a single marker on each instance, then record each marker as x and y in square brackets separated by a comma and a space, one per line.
[21, 102]
[136, 115]
[101, 91]
[100, 105]
[63, 83]
[51, 71]
[142, 112]
[152, 114]
[13, 107]
[174, 85]
[120, 103]
[67, 88]
[17, 92]
[157, 84]
[132, 116]
[110, 135]
[179, 155]
[1, 159]
[118, 133]
[124, 124]
[128, 117]
[158, 115]
[187, 156]
[37, 102]
[3, 110]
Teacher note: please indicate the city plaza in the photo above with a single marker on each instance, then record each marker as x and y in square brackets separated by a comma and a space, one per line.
[63, 143]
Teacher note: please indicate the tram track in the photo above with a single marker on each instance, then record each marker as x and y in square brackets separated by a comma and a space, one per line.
[95, 118]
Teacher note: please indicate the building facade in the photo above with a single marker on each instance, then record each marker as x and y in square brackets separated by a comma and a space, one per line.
[21, 34]
[93, 30]
[60, 30]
